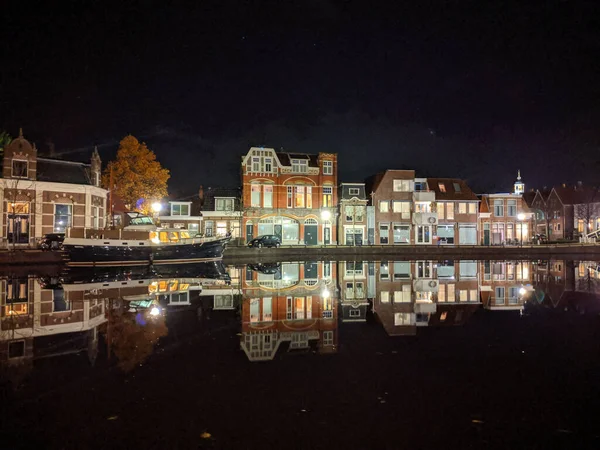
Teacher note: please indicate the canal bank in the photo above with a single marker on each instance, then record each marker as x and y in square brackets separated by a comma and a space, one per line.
[410, 252]
[30, 257]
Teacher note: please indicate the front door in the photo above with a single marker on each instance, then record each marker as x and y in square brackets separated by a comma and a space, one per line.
[278, 231]
[327, 235]
[17, 231]
[310, 234]
[486, 234]
[249, 232]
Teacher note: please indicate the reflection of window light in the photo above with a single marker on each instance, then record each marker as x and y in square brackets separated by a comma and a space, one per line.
[60, 222]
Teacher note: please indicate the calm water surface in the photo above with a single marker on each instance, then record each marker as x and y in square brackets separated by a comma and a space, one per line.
[353, 354]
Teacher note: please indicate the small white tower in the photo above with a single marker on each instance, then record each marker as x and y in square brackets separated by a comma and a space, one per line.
[519, 185]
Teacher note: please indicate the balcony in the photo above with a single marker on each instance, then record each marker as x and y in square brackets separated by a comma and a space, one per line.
[424, 196]
[426, 285]
[425, 219]
[425, 307]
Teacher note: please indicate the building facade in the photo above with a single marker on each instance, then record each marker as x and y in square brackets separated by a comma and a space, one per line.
[293, 196]
[457, 211]
[505, 218]
[43, 195]
[352, 218]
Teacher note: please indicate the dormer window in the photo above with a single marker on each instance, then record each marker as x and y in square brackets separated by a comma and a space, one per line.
[456, 187]
[180, 209]
[442, 187]
[268, 165]
[223, 204]
[20, 168]
[354, 191]
[327, 167]
[299, 165]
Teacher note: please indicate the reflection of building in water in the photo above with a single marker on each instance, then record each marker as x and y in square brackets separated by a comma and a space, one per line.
[31, 311]
[411, 294]
[352, 276]
[289, 303]
[505, 285]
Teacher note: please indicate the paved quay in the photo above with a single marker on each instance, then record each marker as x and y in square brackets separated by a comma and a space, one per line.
[289, 253]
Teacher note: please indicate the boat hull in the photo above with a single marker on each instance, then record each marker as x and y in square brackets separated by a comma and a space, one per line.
[97, 252]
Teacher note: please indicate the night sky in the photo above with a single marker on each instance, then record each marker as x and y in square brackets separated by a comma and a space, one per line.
[476, 91]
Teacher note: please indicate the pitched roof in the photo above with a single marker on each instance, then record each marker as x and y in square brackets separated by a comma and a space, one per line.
[286, 158]
[210, 194]
[60, 171]
[573, 195]
[484, 206]
[528, 197]
[345, 191]
[455, 189]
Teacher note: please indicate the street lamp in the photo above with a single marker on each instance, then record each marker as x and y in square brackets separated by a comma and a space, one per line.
[156, 207]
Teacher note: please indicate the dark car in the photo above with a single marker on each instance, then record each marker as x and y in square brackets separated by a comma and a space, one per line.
[52, 241]
[268, 240]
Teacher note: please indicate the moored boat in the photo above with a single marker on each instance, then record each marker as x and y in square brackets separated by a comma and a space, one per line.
[140, 242]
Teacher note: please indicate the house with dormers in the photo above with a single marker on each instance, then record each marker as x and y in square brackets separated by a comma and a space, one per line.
[40, 195]
[352, 223]
[291, 195]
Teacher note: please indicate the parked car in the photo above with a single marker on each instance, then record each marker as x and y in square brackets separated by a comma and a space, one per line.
[268, 240]
[51, 241]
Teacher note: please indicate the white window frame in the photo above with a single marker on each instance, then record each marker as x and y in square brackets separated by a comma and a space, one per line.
[180, 204]
[226, 201]
[354, 191]
[327, 167]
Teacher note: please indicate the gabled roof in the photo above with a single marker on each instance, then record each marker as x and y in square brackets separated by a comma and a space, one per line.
[373, 182]
[60, 171]
[484, 206]
[210, 194]
[456, 189]
[528, 197]
[574, 195]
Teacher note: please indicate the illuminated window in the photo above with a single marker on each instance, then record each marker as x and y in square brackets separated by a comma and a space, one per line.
[402, 185]
[327, 197]
[267, 196]
[18, 208]
[223, 204]
[300, 197]
[442, 187]
[384, 296]
[180, 209]
[472, 208]
[255, 195]
[221, 228]
[462, 208]
[299, 165]
[62, 217]
[450, 211]
[384, 206]
[440, 210]
[403, 208]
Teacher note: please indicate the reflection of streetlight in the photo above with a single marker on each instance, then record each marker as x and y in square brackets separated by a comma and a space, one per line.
[522, 291]
[325, 293]
[521, 218]
[154, 311]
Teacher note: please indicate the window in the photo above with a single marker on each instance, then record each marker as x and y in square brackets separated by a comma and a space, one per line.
[224, 204]
[354, 191]
[327, 167]
[221, 228]
[510, 230]
[20, 168]
[384, 233]
[442, 187]
[255, 164]
[299, 165]
[384, 271]
[327, 197]
[403, 296]
[254, 310]
[268, 165]
[456, 187]
[445, 269]
[401, 233]
[290, 196]
[299, 196]
[401, 270]
[208, 228]
[309, 197]
[423, 207]
[440, 210]
[328, 337]
[354, 268]
[445, 234]
[267, 311]
[223, 301]
[327, 270]
[267, 196]
[511, 208]
[402, 185]
[423, 234]
[424, 269]
[468, 269]
[450, 211]
[59, 302]
[95, 217]
[403, 319]
[349, 213]
[403, 208]
[442, 293]
[499, 208]
[384, 297]
[255, 195]
[354, 313]
[499, 299]
[473, 295]
[62, 217]
[384, 206]
[193, 228]
[450, 292]
[462, 208]
[472, 208]
[178, 209]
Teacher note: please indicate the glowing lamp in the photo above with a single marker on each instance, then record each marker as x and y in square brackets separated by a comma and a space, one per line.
[325, 293]
[156, 207]
[522, 291]
[521, 216]
[154, 311]
[325, 215]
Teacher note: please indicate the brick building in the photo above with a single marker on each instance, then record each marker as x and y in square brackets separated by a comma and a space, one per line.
[505, 218]
[289, 304]
[504, 285]
[43, 195]
[352, 222]
[457, 207]
[291, 195]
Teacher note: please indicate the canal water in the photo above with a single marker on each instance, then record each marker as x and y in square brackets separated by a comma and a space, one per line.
[312, 354]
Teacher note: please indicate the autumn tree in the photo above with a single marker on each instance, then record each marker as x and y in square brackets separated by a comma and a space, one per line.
[137, 177]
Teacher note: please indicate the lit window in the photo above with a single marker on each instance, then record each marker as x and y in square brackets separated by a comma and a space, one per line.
[384, 206]
[472, 208]
[462, 208]
[442, 187]
[267, 196]
[402, 185]
[385, 297]
[62, 217]
[224, 204]
[327, 196]
[255, 195]
[178, 209]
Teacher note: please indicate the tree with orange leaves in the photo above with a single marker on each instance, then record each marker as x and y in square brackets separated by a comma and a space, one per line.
[138, 178]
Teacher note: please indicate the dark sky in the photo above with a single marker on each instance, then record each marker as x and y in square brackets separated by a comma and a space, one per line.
[475, 89]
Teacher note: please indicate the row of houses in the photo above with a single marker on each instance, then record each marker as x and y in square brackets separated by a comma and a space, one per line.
[299, 198]
[295, 306]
